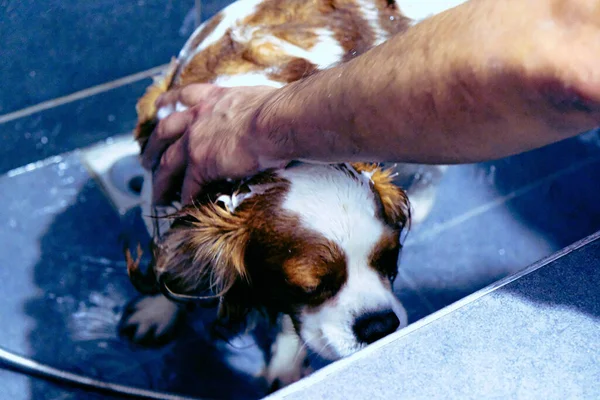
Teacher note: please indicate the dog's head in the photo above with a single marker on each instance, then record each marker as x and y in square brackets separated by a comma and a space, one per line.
[320, 243]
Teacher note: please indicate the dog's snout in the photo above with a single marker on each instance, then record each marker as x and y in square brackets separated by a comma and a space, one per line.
[371, 327]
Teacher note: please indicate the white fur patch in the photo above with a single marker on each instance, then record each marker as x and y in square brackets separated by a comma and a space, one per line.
[169, 109]
[350, 220]
[325, 53]
[419, 10]
[153, 312]
[231, 15]
[288, 355]
[232, 202]
[165, 111]
[248, 79]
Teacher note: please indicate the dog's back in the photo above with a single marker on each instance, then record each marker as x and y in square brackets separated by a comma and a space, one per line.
[273, 42]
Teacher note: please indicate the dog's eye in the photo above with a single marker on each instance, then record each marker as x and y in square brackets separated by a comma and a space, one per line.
[392, 275]
[387, 262]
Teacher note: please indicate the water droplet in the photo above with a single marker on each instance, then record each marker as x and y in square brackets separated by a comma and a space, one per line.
[44, 140]
[62, 166]
[12, 223]
[111, 118]
[32, 74]
[392, 18]
[502, 252]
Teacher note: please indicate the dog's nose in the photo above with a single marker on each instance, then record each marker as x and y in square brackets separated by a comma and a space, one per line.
[371, 327]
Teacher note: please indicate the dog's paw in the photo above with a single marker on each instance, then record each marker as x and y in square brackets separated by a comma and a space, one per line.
[289, 362]
[282, 377]
[423, 191]
[150, 320]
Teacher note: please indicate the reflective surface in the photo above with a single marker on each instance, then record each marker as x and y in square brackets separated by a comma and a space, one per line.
[62, 228]
[65, 283]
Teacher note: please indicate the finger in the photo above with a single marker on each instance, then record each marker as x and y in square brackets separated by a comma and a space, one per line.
[192, 186]
[167, 132]
[167, 99]
[189, 95]
[168, 175]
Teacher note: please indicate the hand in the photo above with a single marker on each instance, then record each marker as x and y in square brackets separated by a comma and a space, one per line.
[213, 139]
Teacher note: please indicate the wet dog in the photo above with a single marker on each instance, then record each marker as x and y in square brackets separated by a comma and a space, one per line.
[314, 247]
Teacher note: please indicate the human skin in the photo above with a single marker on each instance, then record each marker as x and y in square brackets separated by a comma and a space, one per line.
[481, 81]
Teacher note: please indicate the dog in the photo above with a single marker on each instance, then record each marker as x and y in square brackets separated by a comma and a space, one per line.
[313, 247]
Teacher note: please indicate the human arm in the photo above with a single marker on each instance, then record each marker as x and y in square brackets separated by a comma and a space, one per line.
[484, 80]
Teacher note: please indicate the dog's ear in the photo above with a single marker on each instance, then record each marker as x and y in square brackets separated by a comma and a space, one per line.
[204, 253]
[394, 201]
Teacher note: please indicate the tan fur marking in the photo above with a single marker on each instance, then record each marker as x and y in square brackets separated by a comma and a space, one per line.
[320, 270]
[391, 19]
[394, 200]
[204, 250]
[294, 70]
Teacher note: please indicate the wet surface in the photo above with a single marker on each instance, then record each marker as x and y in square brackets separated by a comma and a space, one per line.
[66, 283]
[64, 280]
[54, 48]
[69, 127]
[66, 286]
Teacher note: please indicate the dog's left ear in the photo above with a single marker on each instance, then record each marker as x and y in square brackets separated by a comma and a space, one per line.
[204, 254]
[394, 201]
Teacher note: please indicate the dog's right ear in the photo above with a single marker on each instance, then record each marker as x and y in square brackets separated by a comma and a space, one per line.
[203, 251]
[394, 200]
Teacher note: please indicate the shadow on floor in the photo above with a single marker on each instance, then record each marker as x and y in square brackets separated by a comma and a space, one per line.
[570, 282]
[83, 288]
[567, 208]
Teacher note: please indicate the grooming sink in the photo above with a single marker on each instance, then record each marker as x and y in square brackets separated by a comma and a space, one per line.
[64, 221]
[500, 281]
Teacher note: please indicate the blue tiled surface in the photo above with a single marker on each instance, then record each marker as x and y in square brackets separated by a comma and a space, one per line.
[53, 48]
[70, 126]
[485, 225]
[535, 338]
[60, 240]
[65, 285]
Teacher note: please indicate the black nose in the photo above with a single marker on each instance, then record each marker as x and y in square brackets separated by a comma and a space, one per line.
[373, 326]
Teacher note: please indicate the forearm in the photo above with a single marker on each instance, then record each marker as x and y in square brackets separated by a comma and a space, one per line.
[432, 95]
